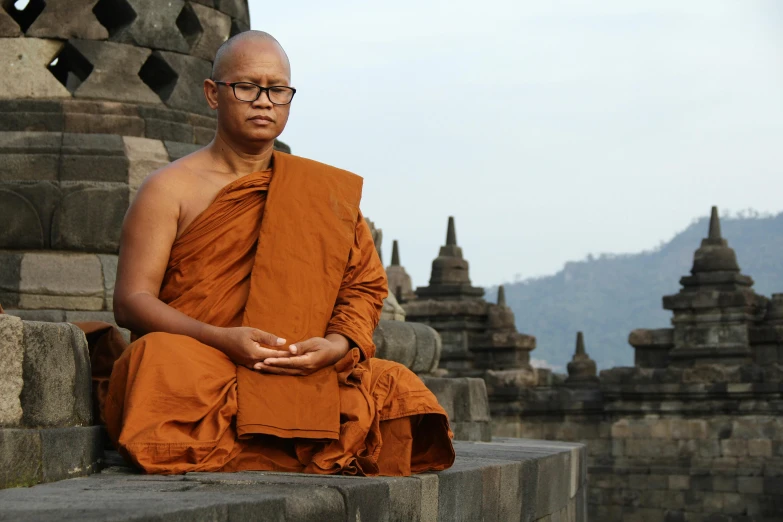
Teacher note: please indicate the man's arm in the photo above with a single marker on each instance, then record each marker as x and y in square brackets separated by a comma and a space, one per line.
[360, 300]
[148, 233]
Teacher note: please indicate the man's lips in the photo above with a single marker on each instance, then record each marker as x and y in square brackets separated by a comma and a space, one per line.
[262, 119]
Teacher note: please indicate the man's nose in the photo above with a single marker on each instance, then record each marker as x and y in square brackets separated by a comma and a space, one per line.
[263, 101]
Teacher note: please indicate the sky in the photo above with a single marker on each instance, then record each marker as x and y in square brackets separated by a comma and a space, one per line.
[549, 130]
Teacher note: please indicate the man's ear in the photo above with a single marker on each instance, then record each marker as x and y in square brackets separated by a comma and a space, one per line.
[211, 93]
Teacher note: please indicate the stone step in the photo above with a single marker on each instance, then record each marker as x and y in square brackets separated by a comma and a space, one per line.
[505, 480]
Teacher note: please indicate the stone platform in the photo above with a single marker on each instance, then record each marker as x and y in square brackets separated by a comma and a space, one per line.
[505, 480]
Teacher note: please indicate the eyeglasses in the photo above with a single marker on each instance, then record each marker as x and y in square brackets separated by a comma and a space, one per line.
[250, 92]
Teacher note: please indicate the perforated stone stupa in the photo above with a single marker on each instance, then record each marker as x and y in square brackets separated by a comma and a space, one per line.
[94, 95]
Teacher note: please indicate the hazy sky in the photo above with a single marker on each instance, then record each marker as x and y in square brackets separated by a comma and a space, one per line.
[549, 129]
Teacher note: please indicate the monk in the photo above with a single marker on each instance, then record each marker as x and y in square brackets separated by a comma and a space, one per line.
[252, 287]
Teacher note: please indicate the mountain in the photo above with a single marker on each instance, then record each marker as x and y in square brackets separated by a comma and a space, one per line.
[609, 295]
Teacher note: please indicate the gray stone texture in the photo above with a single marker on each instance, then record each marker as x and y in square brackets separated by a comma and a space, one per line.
[187, 93]
[466, 403]
[56, 375]
[414, 345]
[497, 481]
[115, 71]
[144, 157]
[90, 217]
[11, 382]
[61, 280]
[65, 20]
[235, 9]
[32, 456]
[29, 156]
[8, 26]
[106, 117]
[93, 157]
[109, 269]
[101, 117]
[177, 150]
[154, 26]
[24, 72]
[216, 29]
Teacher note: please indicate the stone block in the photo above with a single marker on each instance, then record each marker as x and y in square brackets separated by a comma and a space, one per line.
[155, 26]
[29, 207]
[734, 448]
[144, 156]
[177, 150]
[60, 280]
[8, 26]
[93, 157]
[56, 369]
[621, 429]
[10, 269]
[167, 130]
[101, 117]
[215, 29]
[553, 483]
[115, 72]
[679, 482]
[472, 431]
[22, 227]
[48, 316]
[29, 156]
[751, 485]
[81, 316]
[74, 19]
[187, 93]
[235, 9]
[726, 484]
[405, 499]
[395, 341]
[317, 504]
[70, 452]
[760, 448]
[460, 493]
[11, 357]
[90, 217]
[25, 73]
[109, 268]
[20, 457]
[30, 115]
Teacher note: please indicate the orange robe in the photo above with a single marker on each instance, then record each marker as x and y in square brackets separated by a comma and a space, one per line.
[287, 252]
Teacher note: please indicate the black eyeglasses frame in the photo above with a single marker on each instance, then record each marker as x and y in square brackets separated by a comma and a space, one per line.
[261, 90]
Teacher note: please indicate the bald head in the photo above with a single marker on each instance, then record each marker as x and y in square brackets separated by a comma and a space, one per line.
[241, 42]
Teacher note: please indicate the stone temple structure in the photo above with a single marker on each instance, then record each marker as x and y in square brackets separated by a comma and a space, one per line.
[480, 339]
[692, 432]
[399, 281]
[94, 95]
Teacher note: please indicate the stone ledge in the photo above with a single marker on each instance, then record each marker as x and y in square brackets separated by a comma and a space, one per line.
[506, 480]
[32, 456]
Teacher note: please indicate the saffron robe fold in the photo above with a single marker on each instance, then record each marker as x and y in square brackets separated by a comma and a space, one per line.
[287, 252]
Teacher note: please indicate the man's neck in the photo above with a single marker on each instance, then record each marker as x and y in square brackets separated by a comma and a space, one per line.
[230, 158]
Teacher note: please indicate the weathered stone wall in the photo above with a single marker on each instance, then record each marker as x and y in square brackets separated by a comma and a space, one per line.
[46, 431]
[668, 445]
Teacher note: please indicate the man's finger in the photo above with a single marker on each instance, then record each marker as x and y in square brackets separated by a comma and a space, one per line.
[269, 353]
[308, 345]
[263, 368]
[294, 361]
[267, 338]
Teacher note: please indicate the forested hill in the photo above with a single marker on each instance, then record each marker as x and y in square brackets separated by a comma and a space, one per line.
[609, 295]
